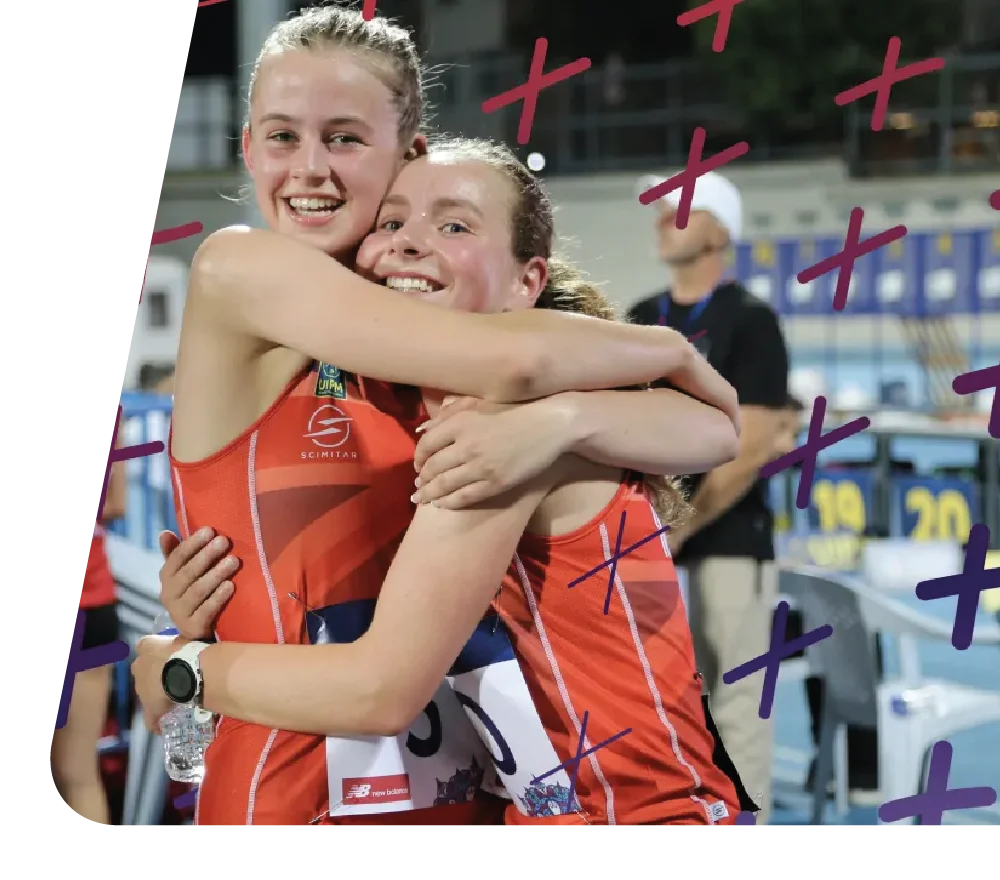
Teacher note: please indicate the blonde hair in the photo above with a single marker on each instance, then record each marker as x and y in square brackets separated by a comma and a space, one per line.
[387, 47]
[566, 288]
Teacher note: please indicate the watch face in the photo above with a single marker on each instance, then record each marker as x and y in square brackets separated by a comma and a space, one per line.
[179, 681]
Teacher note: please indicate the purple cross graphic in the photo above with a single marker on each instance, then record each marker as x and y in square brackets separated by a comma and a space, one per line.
[612, 563]
[980, 380]
[974, 580]
[808, 452]
[575, 761]
[770, 660]
[938, 799]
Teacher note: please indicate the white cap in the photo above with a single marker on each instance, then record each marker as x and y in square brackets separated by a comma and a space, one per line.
[712, 193]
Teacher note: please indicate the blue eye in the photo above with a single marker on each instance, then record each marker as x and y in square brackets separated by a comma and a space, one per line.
[454, 228]
[390, 225]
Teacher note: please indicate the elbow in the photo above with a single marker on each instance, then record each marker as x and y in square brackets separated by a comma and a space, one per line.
[721, 443]
[390, 717]
[728, 443]
[520, 372]
[385, 705]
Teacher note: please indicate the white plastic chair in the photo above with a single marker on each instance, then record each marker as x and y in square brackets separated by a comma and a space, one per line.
[915, 711]
[910, 712]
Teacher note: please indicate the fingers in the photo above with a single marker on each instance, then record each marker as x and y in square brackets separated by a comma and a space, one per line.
[198, 590]
[437, 437]
[185, 551]
[168, 543]
[451, 406]
[446, 487]
[203, 591]
[202, 618]
[474, 493]
[441, 462]
[204, 562]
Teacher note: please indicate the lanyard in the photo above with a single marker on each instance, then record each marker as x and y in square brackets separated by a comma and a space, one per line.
[693, 315]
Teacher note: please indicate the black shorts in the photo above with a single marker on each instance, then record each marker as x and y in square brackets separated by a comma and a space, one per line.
[100, 626]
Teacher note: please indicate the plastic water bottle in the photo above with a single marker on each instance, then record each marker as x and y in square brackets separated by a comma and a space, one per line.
[187, 732]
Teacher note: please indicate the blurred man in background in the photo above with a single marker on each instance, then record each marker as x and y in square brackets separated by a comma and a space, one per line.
[728, 546]
[790, 425]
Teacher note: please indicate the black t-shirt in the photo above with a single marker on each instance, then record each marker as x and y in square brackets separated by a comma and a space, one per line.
[742, 339]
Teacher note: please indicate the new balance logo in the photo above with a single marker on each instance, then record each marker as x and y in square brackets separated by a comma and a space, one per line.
[375, 790]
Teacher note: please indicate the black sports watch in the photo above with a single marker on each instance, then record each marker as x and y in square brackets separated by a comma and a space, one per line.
[182, 680]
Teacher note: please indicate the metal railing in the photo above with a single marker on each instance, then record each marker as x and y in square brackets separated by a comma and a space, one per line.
[643, 115]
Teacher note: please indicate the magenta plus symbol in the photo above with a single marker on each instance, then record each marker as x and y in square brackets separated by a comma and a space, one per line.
[882, 85]
[612, 563]
[815, 443]
[529, 91]
[685, 180]
[844, 260]
[974, 579]
[175, 233]
[938, 799]
[721, 8]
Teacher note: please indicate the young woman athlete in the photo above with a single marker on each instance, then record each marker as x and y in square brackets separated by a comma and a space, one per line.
[468, 227]
[274, 442]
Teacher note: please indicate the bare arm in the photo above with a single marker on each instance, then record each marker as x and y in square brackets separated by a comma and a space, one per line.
[471, 450]
[759, 363]
[726, 485]
[444, 576]
[654, 432]
[274, 291]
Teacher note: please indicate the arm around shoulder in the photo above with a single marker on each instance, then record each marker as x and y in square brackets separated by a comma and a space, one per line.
[280, 291]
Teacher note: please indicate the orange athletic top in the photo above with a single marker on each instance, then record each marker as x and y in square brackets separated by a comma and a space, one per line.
[98, 581]
[315, 499]
[632, 668]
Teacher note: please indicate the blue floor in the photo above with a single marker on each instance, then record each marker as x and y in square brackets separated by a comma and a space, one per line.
[976, 759]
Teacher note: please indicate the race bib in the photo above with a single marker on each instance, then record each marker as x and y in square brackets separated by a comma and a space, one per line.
[439, 761]
[487, 681]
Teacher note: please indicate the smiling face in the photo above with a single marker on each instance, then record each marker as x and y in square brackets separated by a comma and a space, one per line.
[322, 146]
[444, 234]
